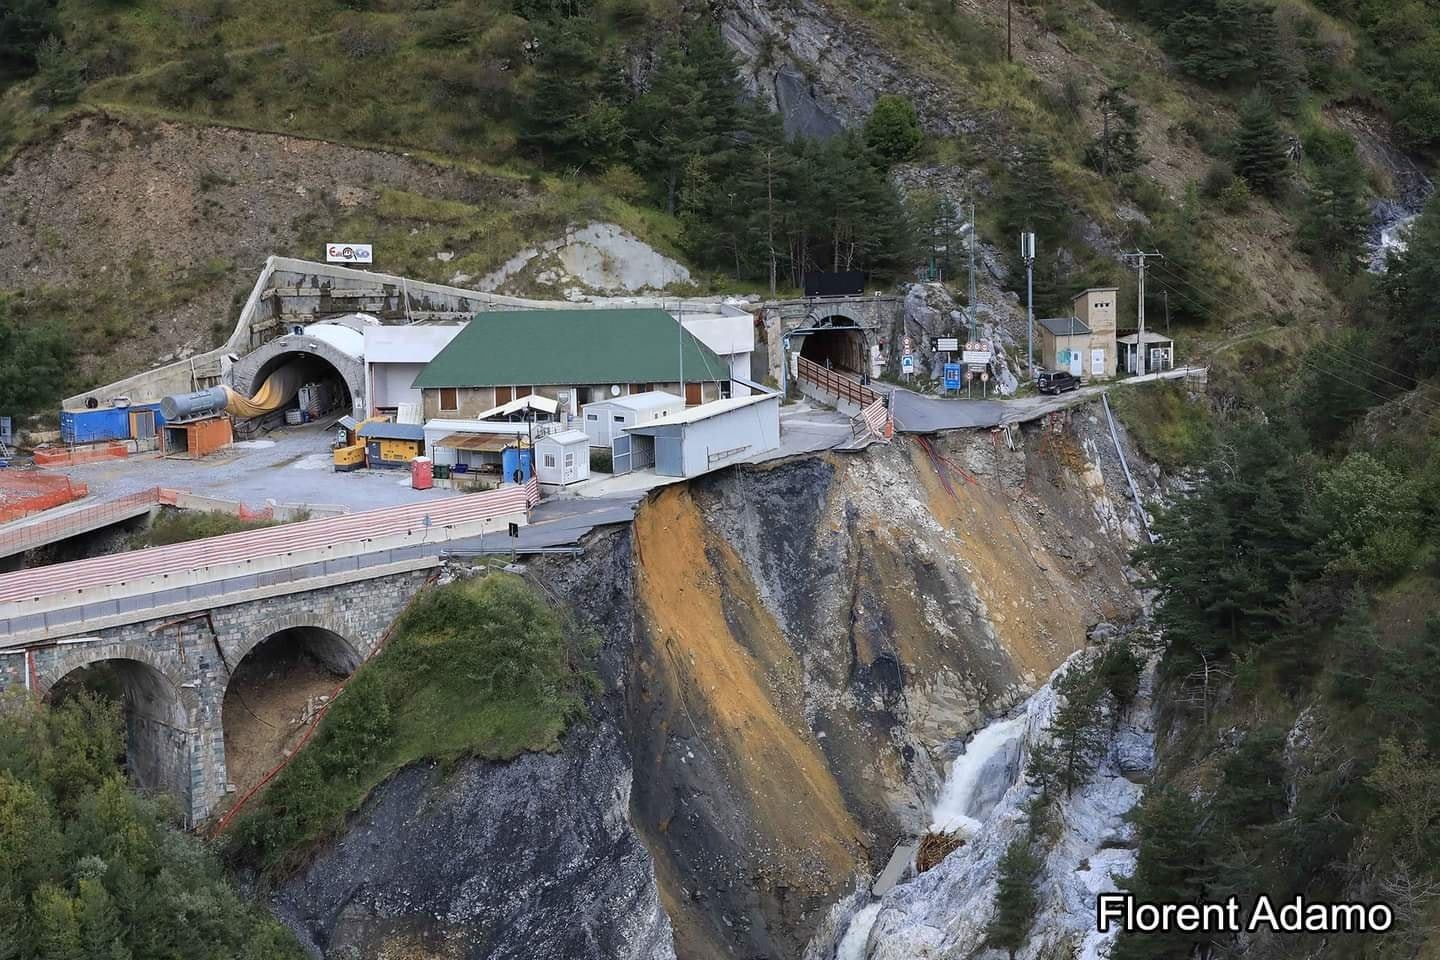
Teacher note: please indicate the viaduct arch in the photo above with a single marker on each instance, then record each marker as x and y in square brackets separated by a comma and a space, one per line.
[174, 672]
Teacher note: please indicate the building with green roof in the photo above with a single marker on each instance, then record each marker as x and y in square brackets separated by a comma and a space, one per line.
[573, 356]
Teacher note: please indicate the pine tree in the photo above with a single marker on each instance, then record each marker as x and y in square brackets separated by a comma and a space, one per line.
[1117, 148]
[1409, 285]
[100, 927]
[1032, 198]
[669, 123]
[1260, 147]
[567, 119]
[24, 26]
[1015, 901]
[1174, 865]
[1336, 218]
[1074, 741]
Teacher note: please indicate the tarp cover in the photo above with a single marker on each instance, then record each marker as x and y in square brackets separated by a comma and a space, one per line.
[278, 389]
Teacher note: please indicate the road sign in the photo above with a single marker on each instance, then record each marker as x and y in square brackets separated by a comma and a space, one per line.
[984, 375]
[907, 364]
[980, 357]
[946, 344]
[907, 345]
[952, 376]
[514, 530]
[787, 342]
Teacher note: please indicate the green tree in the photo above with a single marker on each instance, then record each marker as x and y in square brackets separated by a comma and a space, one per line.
[34, 362]
[1357, 648]
[1116, 149]
[892, 131]
[1015, 901]
[1409, 287]
[1252, 791]
[1229, 550]
[1336, 217]
[568, 119]
[1119, 669]
[1174, 864]
[1074, 740]
[1260, 147]
[24, 26]
[669, 122]
[1032, 198]
[60, 77]
[1372, 513]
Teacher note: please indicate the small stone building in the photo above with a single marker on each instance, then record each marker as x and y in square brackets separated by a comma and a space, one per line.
[1083, 342]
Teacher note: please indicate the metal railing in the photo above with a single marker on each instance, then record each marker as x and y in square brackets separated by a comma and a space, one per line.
[833, 381]
[76, 522]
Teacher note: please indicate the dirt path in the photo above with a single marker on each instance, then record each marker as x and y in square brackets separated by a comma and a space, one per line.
[267, 708]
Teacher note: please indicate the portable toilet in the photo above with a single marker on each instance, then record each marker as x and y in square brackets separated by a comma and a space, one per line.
[514, 459]
[564, 457]
[422, 474]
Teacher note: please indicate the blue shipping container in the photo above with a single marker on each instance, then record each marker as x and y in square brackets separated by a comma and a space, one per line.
[515, 459]
[95, 426]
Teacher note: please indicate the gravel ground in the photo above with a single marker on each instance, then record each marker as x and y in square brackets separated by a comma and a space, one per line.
[293, 465]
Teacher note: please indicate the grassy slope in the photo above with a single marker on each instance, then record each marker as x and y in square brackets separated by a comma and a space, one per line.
[477, 668]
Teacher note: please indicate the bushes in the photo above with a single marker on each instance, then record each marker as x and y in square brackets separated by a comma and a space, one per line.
[182, 526]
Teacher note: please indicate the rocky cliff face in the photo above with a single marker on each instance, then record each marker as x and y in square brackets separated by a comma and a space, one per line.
[815, 641]
[792, 658]
[535, 858]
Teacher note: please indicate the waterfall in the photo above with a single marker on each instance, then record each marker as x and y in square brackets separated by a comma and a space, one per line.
[979, 778]
[857, 934]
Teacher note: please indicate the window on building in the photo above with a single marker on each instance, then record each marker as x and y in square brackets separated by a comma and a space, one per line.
[449, 399]
[523, 392]
[504, 395]
[592, 416]
[619, 418]
[569, 460]
[549, 459]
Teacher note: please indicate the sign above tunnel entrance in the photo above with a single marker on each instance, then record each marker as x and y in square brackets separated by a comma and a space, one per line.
[349, 253]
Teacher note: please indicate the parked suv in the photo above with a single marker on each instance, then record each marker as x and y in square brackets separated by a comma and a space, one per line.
[1056, 381]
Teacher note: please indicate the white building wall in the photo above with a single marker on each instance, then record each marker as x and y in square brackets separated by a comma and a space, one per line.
[756, 427]
[390, 383]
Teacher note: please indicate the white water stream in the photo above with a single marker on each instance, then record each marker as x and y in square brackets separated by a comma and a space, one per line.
[979, 778]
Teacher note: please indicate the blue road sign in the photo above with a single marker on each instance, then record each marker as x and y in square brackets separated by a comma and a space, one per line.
[952, 376]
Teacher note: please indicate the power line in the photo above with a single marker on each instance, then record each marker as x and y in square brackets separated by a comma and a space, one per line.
[1238, 306]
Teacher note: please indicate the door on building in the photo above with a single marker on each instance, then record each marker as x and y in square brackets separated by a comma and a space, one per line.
[1076, 362]
[692, 394]
[669, 457]
[620, 454]
[1097, 363]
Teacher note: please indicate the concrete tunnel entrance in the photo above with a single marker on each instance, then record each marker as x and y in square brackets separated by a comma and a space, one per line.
[839, 341]
[273, 694]
[157, 727]
[309, 369]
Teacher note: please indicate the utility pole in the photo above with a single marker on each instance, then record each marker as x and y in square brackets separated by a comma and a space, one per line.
[681, 321]
[1137, 259]
[1027, 253]
[974, 237]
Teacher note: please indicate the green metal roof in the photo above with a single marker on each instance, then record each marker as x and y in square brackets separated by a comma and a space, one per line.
[560, 347]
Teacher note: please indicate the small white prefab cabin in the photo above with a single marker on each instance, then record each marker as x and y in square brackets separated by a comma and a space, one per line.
[605, 419]
[563, 458]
